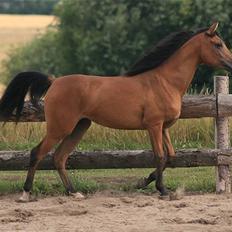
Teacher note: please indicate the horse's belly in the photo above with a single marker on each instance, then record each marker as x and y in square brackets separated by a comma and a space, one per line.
[118, 125]
[118, 121]
[115, 109]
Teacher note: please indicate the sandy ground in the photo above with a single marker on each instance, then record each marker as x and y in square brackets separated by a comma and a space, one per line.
[104, 212]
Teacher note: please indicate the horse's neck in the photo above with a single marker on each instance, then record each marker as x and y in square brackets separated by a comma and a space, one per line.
[179, 69]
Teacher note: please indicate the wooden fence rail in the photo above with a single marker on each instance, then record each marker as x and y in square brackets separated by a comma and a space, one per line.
[19, 160]
[218, 106]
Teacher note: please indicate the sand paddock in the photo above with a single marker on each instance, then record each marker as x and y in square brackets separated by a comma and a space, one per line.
[107, 212]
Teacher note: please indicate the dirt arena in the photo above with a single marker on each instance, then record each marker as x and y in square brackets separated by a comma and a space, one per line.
[104, 212]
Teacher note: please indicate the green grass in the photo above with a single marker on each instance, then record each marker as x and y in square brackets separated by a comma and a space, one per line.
[89, 181]
[185, 134]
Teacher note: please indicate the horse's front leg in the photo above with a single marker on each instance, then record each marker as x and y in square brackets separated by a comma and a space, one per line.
[168, 150]
[156, 137]
[168, 147]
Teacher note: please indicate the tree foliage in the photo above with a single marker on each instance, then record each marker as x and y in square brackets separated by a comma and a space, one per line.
[106, 37]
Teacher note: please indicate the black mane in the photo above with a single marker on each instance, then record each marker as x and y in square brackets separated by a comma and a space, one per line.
[162, 51]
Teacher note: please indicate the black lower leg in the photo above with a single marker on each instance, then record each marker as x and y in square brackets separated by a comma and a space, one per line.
[151, 177]
[66, 181]
[161, 162]
[143, 183]
[32, 167]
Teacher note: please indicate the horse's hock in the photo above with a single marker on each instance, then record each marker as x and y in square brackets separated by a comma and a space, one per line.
[218, 106]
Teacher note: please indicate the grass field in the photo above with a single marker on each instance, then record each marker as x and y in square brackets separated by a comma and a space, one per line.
[90, 181]
[185, 134]
[19, 29]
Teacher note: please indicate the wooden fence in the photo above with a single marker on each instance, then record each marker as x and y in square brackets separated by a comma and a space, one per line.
[218, 105]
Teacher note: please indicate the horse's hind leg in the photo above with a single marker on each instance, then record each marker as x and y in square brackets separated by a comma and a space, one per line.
[37, 154]
[67, 146]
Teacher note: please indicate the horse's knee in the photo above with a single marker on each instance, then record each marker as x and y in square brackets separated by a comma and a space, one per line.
[172, 153]
[161, 162]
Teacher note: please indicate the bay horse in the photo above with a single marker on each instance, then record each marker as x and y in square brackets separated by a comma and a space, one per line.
[147, 97]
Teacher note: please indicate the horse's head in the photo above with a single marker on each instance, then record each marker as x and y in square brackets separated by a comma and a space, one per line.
[214, 52]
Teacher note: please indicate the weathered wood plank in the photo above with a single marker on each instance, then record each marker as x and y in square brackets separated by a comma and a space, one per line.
[31, 113]
[225, 105]
[199, 106]
[19, 160]
[222, 141]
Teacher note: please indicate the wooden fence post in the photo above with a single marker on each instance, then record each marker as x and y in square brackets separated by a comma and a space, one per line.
[222, 138]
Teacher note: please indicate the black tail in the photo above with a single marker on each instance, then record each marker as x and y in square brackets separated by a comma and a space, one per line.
[12, 101]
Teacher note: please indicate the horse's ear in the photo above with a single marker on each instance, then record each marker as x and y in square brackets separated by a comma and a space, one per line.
[212, 29]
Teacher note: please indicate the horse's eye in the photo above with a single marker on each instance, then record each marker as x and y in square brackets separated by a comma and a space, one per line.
[218, 45]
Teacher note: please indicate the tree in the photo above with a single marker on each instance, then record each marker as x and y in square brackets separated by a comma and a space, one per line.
[106, 37]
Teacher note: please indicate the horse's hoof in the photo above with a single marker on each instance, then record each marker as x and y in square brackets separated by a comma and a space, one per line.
[77, 195]
[26, 197]
[142, 183]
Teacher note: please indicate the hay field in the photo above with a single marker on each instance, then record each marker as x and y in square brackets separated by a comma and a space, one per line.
[2, 87]
[19, 29]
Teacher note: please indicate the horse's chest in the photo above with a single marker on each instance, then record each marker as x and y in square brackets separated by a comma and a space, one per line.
[172, 110]
[162, 109]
